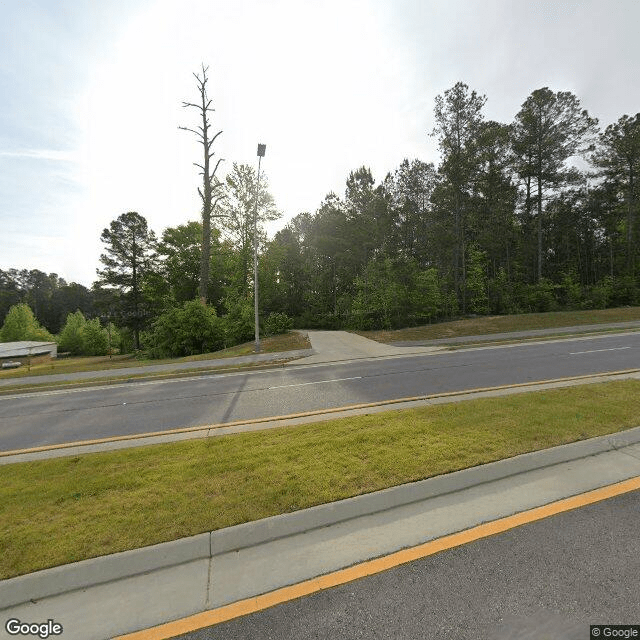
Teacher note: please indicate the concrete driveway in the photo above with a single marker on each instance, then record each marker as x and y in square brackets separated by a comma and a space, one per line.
[334, 346]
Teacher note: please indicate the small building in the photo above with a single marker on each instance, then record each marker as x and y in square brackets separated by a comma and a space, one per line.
[20, 351]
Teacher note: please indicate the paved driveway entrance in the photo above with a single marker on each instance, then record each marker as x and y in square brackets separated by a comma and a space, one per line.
[331, 346]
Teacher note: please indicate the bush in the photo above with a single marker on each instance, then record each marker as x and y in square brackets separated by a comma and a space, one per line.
[82, 337]
[124, 340]
[625, 292]
[239, 323]
[540, 297]
[570, 293]
[20, 324]
[277, 323]
[187, 330]
[95, 341]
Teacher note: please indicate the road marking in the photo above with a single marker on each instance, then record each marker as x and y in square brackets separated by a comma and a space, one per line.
[304, 384]
[576, 353]
[371, 567]
[317, 412]
[97, 384]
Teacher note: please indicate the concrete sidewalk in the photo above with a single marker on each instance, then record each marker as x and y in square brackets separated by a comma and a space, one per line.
[99, 598]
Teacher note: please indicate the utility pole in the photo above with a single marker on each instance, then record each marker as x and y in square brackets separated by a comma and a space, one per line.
[261, 151]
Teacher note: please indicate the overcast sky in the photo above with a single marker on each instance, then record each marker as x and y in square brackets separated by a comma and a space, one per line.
[91, 98]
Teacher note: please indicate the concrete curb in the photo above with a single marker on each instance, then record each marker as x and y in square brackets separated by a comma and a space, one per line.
[116, 377]
[554, 332]
[30, 588]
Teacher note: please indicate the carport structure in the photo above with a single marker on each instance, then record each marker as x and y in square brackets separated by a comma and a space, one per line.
[21, 351]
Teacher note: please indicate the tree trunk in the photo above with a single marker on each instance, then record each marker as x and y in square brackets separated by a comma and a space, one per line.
[205, 255]
[136, 325]
[630, 248]
[540, 226]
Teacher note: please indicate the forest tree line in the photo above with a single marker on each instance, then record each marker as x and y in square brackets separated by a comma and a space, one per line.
[539, 214]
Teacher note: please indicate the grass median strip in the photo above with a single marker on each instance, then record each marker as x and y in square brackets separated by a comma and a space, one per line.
[63, 510]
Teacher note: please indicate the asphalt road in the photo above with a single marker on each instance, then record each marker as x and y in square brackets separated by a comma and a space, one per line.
[548, 580]
[53, 417]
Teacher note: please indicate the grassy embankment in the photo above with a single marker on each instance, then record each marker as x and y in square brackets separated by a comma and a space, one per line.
[63, 510]
[274, 344]
[486, 325]
[294, 340]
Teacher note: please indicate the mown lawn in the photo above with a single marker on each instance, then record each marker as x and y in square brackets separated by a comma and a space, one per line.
[63, 510]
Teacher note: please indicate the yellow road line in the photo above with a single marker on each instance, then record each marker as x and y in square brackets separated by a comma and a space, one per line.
[304, 414]
[370, 567]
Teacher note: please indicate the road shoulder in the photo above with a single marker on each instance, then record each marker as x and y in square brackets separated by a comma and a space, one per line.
[153, 585]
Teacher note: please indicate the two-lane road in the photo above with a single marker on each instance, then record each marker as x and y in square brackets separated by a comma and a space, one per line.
[53, 417]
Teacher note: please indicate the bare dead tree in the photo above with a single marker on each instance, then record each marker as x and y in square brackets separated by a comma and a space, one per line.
[211, 192]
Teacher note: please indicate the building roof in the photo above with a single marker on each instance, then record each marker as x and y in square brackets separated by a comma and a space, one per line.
[25, 348]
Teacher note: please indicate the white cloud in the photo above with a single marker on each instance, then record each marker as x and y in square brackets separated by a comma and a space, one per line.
[40, 154]
[327, 85]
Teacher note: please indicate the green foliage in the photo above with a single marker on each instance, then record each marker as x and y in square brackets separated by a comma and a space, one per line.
[187, 330]
[570, 293]
[124, 340]
[95, 340]
[599, 295]
[427, 297]
[20, 324]
[129, 256]
[540, 297]
[83, 337]
[626, 291]
[239, 322]
[277, 323]
[394, 293]
[70, 338]
[476, 235]
[503, 297]
[379, 298]
[476, 289]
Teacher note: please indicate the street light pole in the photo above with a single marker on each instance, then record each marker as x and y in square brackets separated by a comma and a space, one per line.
[261, 151]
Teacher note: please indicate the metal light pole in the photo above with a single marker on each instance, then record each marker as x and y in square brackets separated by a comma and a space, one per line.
[261, 151]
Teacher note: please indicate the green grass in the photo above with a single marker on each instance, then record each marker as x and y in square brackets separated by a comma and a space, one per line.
[63, 510]
[274, 344]
[174, 374]
[486, 325]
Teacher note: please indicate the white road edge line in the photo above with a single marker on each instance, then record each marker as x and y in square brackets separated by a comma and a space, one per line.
[304, 384]
[576, 353]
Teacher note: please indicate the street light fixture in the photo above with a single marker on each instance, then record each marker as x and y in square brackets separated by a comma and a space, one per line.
[261, 151]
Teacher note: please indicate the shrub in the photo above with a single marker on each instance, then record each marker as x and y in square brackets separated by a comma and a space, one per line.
[570, 293]
[599, 295]
[95, 341]
[540, 297]
[187, 330]
[239, 322]
[277, 323]
[83, 337]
